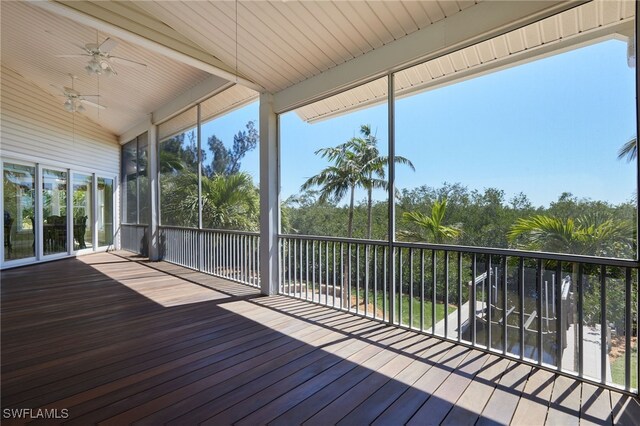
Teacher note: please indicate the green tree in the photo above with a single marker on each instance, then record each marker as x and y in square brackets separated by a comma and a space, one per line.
[226, 161]
[590, 234]
[629, 150]
[373, 167]
[356, 163]
[432, 227]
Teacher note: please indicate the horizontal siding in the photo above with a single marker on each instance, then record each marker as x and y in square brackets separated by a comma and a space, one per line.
[35, 125]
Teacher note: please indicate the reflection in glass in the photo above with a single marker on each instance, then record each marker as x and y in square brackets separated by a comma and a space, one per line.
[54, 211]
[105, 212]
[143, 180]
[82, 211]
[19, 202]
[130, 182]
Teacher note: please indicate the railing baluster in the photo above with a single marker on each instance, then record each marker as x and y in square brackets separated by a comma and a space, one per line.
[559, 315]
[410, 287]
[434, 284]
[505, 339]
[366, 278]
[459, 296]
[539, 273]
[349, 277]
[488, 302]
[472, 297]
[603, 324]
[446, 294]
[521, 302]
[357, 278]
[580, 323]
[375, 281]
[627, 330]
[335, 274]
[421, 289]
[313, 271]
[400, 286]
[306, 270]
[385, 316]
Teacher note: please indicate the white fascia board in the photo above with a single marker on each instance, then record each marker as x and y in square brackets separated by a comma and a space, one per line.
[88, 14]
[480, 22]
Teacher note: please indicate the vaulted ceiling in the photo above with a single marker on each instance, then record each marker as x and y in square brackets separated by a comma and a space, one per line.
[280, 43]
[33, 37]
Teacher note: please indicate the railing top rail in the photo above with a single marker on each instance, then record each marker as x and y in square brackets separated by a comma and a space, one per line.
[137, 225]
[222, 231]
[570, 258]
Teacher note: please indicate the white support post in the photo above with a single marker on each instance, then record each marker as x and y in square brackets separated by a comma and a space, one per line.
[154, 216]
[269, 196]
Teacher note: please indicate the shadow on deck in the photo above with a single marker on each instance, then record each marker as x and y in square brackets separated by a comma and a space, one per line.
[115, 339]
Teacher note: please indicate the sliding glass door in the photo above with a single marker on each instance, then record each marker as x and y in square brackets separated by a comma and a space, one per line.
[105, 212]
[19, 201]
[55, 227]
[82, 211]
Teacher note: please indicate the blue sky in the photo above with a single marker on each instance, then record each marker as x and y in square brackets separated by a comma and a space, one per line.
[542, 128]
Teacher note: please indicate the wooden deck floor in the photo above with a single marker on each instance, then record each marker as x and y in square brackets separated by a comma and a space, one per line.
[115, 340]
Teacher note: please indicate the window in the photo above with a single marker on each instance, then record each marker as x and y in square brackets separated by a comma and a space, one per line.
[135, 182]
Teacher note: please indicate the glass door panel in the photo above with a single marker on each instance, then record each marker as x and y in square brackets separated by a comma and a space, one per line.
[82, 211]
[54, 212]
[105, 211]
[19, 190]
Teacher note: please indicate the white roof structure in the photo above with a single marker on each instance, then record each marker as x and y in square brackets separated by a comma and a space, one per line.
[300, 51]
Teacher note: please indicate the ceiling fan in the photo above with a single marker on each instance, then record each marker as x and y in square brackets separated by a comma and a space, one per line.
[75, 100]
[100, 59]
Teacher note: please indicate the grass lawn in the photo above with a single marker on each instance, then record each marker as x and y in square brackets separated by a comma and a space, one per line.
[617, 369]
[405, 309]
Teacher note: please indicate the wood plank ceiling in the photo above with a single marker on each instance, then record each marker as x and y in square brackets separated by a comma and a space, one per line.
[32, 37]
[280, 43]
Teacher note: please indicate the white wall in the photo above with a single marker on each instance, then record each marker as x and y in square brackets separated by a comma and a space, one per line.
[35, 127]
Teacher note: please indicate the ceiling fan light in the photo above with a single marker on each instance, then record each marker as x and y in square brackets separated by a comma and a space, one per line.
[68, 105]
[80, 108]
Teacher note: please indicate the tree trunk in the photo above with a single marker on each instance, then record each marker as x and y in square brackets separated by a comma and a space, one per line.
[351, 205]
[346, 279]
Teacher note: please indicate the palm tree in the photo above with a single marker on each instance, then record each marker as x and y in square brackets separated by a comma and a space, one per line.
[593, 235]
[436, 230]
[373, 166]
[338, 179]
[357, 163]
[230, 202]
[629, 150]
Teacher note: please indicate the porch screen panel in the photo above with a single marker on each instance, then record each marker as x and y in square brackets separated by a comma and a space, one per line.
[19, 211]
[178, 158]
[230, 163]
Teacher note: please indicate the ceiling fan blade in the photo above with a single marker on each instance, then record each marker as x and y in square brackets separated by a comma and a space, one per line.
[93, 104]
[107, 45]
[128, 62]
[73, 56]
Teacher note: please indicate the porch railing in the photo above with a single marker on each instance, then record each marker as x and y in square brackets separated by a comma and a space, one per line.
[134, 238]
[577, 315]
[228, 254]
